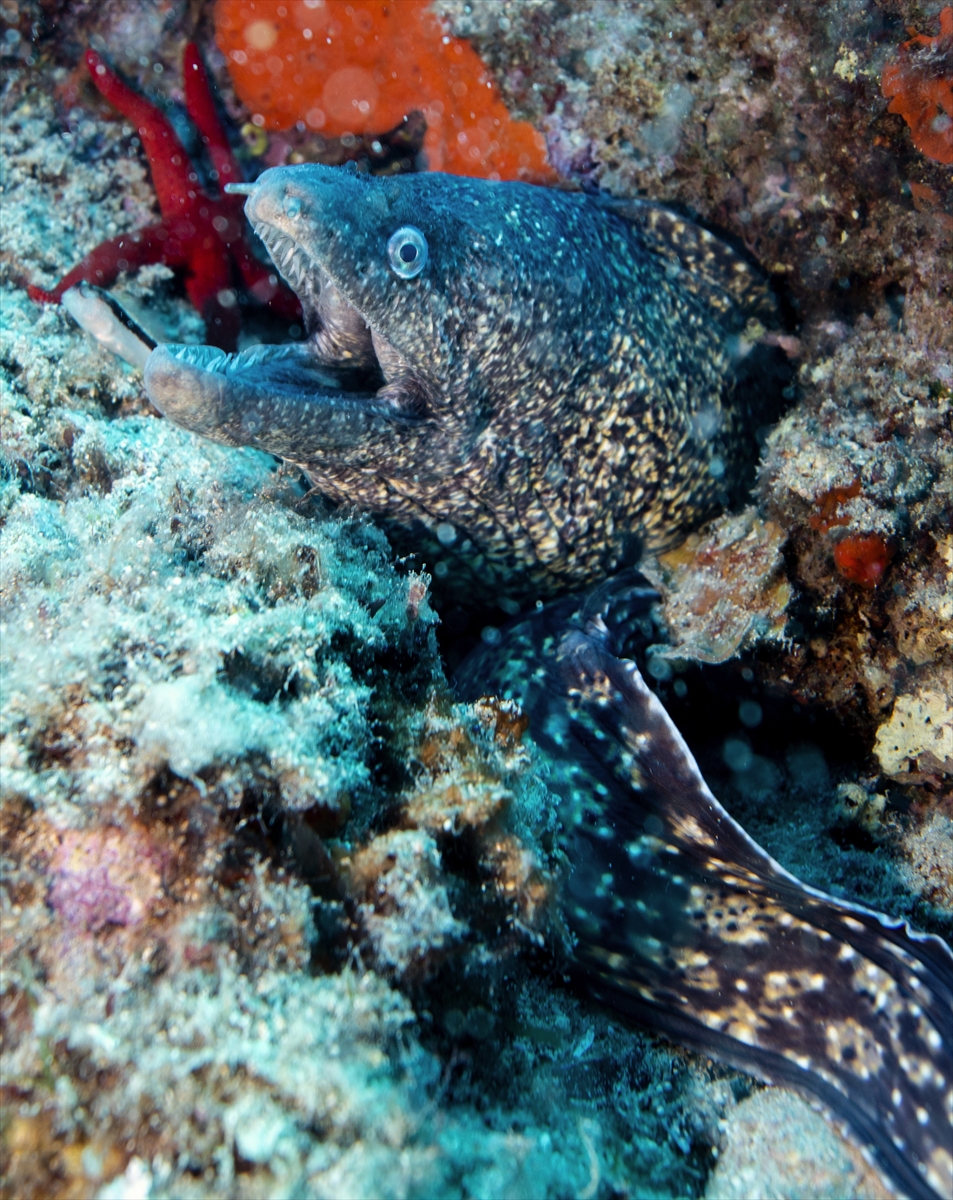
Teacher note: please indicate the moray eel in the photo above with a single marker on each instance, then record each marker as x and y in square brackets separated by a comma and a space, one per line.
[538, 381]
[491, 369]
[685, 923]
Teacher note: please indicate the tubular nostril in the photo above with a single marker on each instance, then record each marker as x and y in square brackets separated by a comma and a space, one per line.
[292, 206]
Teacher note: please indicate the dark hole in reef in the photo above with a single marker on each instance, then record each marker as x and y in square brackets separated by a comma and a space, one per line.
[850, 296]
[257, 680]
[853, 837]
[762, 380]
[763, 68]
[804, 751]
[895, 298]
[399, 678]
[485, 912]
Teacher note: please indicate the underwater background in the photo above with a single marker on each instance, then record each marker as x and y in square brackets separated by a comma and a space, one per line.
[280, 915]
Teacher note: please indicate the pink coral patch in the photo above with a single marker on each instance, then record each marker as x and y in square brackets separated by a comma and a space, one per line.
[104, 877]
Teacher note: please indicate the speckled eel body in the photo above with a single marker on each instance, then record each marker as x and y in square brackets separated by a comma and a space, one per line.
[536, 382]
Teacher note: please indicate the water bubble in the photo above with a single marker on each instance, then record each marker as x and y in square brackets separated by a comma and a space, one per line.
[706, 422]
[807, 767]
[480, 1023]
[750, 714]
[737, 754]
[761, 779]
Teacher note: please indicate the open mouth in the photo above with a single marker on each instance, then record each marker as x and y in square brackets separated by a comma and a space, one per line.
[339, 392]
[338, 335]
[294, 263]
[345, 372]
[338, 354]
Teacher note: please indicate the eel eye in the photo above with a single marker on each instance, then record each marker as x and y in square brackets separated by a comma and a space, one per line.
[407, 252]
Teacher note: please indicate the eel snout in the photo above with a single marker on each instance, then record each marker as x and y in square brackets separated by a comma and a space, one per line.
[345, 385]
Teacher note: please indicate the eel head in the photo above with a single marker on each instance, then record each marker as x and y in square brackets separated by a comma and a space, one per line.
[403, 283]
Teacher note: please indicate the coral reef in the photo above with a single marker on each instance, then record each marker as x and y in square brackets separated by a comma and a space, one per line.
[929, 869]
[773, 1126]
[725, 590]
[919, 732]
[279, 917]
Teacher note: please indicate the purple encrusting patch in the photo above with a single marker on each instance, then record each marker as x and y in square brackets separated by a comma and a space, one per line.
[92, 900]
[102, 877]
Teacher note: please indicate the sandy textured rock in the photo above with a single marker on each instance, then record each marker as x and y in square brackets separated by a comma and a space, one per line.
[218, 696]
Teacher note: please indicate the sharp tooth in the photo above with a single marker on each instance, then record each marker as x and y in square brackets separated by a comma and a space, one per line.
[286, 254]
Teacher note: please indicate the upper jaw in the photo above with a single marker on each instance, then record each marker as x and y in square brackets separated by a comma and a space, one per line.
[294, 264]
[275, 216]
[299, 213]
[289, 210]
[288, 214]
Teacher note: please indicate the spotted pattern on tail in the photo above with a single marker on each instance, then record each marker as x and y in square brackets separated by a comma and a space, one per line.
[682, 920]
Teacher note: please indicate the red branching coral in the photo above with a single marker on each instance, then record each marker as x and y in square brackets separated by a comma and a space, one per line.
[919, 86]
[204, 236]
[863, 559]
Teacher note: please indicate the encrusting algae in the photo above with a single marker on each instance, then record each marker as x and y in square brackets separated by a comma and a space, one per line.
[920, 88]
[360, 68]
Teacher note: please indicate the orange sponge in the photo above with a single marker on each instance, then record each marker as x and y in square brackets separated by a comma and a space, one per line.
[920, 88]
[359, 67]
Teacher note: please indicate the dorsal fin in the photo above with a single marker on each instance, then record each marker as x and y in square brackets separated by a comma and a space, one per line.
[708, 267]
